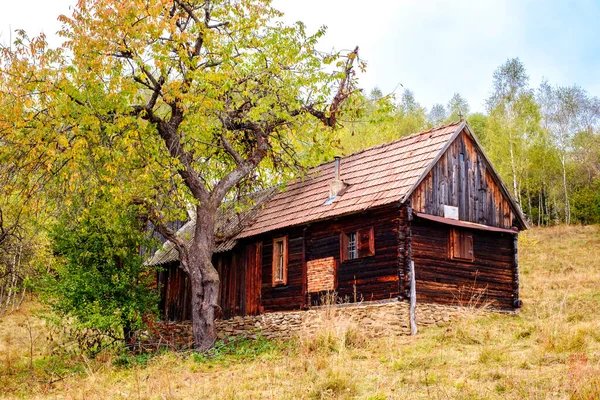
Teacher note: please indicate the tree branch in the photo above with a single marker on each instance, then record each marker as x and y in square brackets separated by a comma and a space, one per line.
[158, 220]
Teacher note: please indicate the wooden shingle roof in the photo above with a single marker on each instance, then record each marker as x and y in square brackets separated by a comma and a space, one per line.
[229, 222]
[376, 176]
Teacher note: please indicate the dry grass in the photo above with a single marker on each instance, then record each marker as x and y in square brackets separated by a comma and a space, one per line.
[550, 350]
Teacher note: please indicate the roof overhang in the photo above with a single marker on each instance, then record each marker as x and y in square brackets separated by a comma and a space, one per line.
[463, 224]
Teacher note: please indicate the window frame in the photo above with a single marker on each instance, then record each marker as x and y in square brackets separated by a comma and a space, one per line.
[361, 249]
[278, 256]
[464, 237]
[352, 246]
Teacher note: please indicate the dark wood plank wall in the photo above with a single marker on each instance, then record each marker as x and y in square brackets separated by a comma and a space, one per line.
[253, 280]
[175, 293]
[370, 278]
[440, 279]
[404, 249]
[465, 184]
[231, 267]
[290, 296]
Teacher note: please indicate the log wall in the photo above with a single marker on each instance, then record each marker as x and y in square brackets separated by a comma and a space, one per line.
[234, 297]
[465, 182]
[370, 278]
[289, 296]
[489, 279]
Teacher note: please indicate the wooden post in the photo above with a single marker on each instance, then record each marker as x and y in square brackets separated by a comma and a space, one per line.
[408, 248]
[517, 303]
[402, 221]
[305, 295]
[413, 300]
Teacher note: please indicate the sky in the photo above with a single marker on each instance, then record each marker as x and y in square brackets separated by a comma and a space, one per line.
[432, 47]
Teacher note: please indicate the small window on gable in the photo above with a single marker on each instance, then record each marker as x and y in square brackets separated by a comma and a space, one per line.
[280, 261]
[357, 244]
[461, 245]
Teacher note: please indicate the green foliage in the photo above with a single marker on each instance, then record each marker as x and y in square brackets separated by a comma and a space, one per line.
[478, 123]
[237, 349]
[127, 360]
[586, 204]
[100, 284]
[381, 119]
[458, 108]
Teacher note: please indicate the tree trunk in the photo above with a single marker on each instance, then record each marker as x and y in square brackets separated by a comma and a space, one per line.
[205, 281]
[514, 173]
[567, 204]
[540, 208]
[205, 294]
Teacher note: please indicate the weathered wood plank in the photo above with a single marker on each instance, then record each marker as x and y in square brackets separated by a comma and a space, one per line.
[461, 179]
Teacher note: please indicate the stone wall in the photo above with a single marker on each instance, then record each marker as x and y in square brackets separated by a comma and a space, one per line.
[374, 319]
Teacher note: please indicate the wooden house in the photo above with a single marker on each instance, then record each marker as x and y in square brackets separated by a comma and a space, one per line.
[355, 224]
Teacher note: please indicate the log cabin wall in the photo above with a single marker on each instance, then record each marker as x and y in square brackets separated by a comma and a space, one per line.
[176, 292]
[461, 179]
[289, 296]
[232, 289]
[374, 277]
[489, 278]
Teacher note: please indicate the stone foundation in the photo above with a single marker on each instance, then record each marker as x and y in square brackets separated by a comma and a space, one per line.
[374, 319]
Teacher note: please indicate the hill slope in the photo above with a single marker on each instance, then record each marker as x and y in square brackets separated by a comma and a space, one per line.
[551, 349]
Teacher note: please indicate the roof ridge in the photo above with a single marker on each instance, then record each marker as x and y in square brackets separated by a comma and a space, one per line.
[377, 146]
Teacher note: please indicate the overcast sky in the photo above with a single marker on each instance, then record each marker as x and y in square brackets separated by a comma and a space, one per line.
[434, 48]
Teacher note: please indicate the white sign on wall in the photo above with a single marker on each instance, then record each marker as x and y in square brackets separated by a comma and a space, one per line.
[450, 212]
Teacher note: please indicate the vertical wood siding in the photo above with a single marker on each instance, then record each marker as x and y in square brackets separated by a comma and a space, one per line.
[466, 184]
[253, 283]
[239, 289]
[175, 293]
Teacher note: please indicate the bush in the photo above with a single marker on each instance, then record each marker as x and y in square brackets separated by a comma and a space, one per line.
[586, 204]
[99, 288]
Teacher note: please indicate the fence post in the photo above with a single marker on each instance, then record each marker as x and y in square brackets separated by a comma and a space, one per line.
[413, 300]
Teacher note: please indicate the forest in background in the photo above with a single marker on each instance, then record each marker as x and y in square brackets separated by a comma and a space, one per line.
[544, 141]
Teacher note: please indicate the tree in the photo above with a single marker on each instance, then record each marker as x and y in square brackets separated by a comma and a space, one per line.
[513, 119]
[479, 122]
[458, 108]
[437, 115]
[99, 282]
[411, 115]
[567, 111]
[172, 103]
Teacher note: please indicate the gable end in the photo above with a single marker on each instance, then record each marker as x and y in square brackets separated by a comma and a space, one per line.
[463, 177]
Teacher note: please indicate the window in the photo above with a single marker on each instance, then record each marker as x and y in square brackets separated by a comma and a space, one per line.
[352, 252]
[280, 261]
[461, 245]
[357, 244]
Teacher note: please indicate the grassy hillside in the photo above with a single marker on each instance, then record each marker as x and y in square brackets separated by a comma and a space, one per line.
[550, 350]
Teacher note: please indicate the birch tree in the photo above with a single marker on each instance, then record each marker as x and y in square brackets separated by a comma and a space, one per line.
[566, 111]
[513, 117]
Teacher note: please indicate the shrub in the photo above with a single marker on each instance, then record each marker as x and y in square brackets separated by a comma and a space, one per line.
[99, 291]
